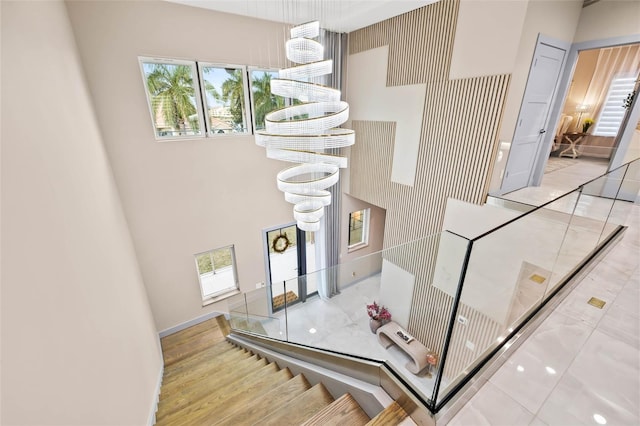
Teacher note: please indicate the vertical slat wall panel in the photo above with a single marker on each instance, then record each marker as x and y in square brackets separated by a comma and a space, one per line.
[457, 143]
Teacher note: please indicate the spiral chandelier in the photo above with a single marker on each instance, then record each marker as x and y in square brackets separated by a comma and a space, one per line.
[303, 132]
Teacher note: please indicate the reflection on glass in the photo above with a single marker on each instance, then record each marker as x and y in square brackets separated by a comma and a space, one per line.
[224, 95]
[171, 93]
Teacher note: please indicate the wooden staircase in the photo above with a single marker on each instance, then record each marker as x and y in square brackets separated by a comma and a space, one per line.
[209, 381]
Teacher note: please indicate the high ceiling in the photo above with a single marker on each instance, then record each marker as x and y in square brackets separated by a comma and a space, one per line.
[335, 15]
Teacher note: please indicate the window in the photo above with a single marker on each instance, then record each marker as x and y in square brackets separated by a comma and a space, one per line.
[613, 111]
[358, 229]
[217, 272]
[224, 92]
[263, 101]
[171, 87]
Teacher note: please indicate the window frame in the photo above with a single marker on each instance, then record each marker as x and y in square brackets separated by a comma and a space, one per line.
[245, 91]
[223, 293]
[366, 217]
[196, 88]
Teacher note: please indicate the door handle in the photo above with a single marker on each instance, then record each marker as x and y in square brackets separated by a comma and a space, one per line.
[542, 131]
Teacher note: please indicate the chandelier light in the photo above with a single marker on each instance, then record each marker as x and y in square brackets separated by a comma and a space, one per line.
[303, 132]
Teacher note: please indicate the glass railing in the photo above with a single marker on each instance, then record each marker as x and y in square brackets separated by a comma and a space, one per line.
[459, 299]
[516, 267]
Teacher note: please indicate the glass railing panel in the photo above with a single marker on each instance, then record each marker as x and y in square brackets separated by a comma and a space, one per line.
[416, 282]
[627, 195]
[507, 275]
[251, 314]
[587, 226]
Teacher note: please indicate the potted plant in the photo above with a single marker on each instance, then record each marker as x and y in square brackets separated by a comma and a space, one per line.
[379, 316]
[588, 122]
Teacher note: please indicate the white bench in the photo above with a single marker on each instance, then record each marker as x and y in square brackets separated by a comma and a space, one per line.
[388, 335]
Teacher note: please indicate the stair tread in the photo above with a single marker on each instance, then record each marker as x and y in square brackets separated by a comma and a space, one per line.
[222, 374]
[271, 401]
[300, 408]
[192, 394]
[221, 403]
[208, 326]
[392, 415]
[342, 411]
[207, 354]
[191, 346]
[217, 363]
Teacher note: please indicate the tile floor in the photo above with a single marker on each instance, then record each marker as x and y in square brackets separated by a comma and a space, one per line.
[582, 365]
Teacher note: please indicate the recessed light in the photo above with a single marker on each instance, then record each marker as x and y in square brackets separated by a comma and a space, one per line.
[550, 370]
[312, 330]
[599, 419]
[520, 368]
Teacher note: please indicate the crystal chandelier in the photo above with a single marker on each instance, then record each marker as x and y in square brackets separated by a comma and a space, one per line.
[303, 132]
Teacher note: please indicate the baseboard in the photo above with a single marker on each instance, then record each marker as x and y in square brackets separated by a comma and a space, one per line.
[189, 323]
[156, 400]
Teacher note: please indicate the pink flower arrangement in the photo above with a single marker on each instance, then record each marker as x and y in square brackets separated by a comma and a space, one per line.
[432, 358]
[378, 313]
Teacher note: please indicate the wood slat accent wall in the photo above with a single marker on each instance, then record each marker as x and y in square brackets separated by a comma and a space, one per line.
[457, 144]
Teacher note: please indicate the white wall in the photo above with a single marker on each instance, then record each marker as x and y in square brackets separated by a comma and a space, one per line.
[608, 18]
[487, 37]
[79, 344]
[181, 197]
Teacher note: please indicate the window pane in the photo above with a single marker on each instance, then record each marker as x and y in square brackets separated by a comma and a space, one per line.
[171, 92]
[224, 94]
[263, 100]
[613, 111]
[216, 271]
[359, 227]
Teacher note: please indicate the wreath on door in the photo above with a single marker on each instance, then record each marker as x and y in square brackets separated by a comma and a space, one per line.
[280, 243]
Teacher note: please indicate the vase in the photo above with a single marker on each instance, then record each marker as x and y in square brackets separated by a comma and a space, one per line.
[585, 127]
[374, 325]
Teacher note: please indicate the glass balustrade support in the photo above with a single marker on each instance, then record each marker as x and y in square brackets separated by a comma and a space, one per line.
[452, 321]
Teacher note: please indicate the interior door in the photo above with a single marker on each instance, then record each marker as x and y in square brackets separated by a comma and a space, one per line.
[534, 116]
[291, 256]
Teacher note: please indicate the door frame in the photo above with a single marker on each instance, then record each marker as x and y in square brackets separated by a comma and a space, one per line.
[551, 120]
[301, 259]
[561, 95]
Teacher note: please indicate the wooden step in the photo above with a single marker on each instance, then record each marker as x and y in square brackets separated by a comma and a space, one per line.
[207, 354]
[222, 402]
[221, 373]
[392, 415]
[343, 411]
[214, 362]
[191, 346]
[208, 326]
[248, 390]
[269, 402]
[300, 408]
[183, 397]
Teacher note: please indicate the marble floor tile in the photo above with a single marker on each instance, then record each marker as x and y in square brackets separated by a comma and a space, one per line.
[603, 381]
[534, 369]
[491, 406]
[622, 324]
[576, 305]
[537, 422]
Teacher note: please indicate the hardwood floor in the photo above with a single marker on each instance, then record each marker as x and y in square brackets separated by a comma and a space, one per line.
[209, 381]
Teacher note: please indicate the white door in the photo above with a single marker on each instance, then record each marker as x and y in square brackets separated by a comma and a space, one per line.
[534, 116]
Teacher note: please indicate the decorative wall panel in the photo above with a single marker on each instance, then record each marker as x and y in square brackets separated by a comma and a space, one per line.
[457, 143]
